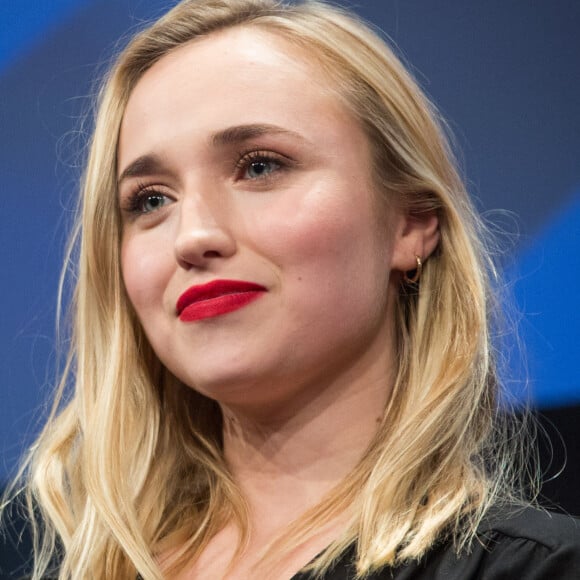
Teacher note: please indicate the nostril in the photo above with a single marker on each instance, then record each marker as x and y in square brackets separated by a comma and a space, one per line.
[198, 244]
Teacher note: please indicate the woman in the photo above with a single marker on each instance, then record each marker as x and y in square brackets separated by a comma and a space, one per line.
[281, 362]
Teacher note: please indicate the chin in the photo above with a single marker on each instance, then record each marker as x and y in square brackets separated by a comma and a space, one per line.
[236, 386]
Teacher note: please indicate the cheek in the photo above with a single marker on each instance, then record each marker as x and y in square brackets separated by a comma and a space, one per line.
[333, 251]
[333, 227]
[145, 268]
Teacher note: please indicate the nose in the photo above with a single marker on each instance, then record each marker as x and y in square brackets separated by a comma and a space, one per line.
[203, 235]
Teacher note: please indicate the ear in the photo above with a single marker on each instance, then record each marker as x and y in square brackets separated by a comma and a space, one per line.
[417, 234]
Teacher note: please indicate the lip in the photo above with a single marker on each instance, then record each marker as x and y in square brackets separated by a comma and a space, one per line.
[216, 298]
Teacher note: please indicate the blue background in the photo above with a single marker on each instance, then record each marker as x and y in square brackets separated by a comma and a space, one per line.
[505, 74]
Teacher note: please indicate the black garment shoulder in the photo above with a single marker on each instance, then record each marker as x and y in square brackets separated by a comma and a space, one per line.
[514, 544]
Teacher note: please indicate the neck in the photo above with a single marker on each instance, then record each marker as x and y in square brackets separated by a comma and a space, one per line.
[288, 458]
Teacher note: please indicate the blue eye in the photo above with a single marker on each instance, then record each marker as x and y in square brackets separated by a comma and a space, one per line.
[145, 201]
[257, 165]
[152, 201]
[261, 168]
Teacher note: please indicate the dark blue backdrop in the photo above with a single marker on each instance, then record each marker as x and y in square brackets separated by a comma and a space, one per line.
[506, 75]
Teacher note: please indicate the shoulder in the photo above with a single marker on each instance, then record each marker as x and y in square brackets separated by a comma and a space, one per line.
[512, 543]
[551, 530]
[517, 542]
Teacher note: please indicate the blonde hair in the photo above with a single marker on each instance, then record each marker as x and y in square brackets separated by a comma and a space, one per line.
[131, 462]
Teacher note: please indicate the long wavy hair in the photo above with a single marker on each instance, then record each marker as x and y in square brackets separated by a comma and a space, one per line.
[130, 462]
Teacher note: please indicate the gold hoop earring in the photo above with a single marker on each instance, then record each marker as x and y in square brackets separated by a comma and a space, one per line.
[412, 276]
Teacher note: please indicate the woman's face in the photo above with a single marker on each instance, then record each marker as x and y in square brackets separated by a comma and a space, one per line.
[255, 251]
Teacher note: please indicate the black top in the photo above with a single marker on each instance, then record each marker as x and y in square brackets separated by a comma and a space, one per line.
[522, 544]
[528, 544]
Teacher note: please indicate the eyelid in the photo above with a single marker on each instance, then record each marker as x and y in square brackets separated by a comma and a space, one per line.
[129, 203]
[245, 157]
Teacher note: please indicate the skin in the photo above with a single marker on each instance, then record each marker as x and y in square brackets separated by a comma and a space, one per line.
[303, 372]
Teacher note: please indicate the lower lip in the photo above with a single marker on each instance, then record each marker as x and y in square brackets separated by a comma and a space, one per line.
[218, 305]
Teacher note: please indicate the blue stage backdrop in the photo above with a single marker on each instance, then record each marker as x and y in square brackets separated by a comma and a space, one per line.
[505, 74]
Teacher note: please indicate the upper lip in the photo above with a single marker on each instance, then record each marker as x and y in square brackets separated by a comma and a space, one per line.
[214, 289]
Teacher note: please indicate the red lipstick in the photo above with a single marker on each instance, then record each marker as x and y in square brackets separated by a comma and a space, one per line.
[216, 298]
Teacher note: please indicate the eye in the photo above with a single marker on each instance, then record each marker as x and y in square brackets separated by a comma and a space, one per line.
[257, 169]
[146, 201]
[149, 202]
[258, 165]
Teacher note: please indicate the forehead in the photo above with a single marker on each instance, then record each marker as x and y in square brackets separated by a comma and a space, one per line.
[247, 53]
[236, 76]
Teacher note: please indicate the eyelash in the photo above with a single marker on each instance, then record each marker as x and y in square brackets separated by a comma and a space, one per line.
[134, 203]
[245, 160]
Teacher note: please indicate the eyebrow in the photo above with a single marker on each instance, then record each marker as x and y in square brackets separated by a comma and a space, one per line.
[241, 133]
[142, 166]
[151, 164]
